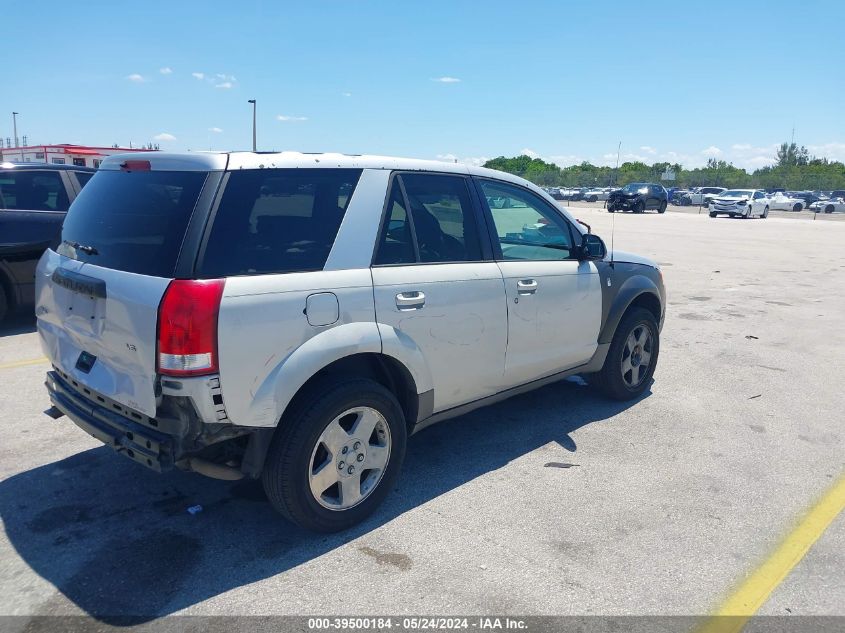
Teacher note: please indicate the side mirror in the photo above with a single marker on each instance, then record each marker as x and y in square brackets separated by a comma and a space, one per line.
[592, 247]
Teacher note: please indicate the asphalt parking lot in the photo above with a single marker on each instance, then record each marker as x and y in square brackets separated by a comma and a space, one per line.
[666, 505]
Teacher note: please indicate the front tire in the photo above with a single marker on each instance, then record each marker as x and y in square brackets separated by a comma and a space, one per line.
[828, 208]
[662, 207]
[336, 456]
[632, 357]
[639, 207]
[766, 212]
[712, 215]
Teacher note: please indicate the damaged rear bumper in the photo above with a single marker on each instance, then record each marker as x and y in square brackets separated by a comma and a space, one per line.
[139, 443]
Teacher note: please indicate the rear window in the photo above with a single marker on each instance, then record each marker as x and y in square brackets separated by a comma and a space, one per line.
[277, 221]
[132, 221]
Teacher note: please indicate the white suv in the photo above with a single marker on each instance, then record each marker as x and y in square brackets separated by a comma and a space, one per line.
[295, 317]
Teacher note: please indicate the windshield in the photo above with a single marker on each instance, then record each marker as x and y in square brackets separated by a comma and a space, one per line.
[132, 221]
[633, 187]
[736, 193]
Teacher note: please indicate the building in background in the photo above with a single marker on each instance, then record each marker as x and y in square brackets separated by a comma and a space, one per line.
[65, 154]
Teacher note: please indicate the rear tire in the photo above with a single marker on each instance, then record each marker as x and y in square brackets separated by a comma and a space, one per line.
[797, 207]
[828, 208]
[313, 437]
[613, 381]
[766, 212]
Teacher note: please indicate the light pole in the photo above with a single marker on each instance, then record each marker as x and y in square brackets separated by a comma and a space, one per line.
[15, 126]
[252, 101]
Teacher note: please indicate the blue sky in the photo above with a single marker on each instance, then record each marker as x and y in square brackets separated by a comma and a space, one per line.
[680, 81]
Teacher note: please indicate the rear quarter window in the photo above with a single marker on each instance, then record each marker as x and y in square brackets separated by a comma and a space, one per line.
[276, 221]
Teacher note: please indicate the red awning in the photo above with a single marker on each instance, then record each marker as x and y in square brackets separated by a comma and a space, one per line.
[84, 152]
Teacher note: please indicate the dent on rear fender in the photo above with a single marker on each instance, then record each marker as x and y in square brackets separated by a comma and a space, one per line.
[270, 398]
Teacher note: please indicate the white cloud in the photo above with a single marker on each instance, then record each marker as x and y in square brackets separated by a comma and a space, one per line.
[136, 78]
[831, 151]
[648, 149]
[475, 161]
[346, 94]
[216, 130]
[565, 160]
[166, 70]
[198, 75]
[286, 117]
[740, 147]
[755, 162]
[226, 85]
[529, 152]
[447, 80]
[225, 77]
[711, 151]
[164, 136]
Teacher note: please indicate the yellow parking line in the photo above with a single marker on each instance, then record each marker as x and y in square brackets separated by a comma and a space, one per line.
[735, 612]
[23, 363]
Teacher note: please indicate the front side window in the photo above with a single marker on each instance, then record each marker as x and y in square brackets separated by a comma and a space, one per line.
[527, 227]
[277, 221]
[33, 191]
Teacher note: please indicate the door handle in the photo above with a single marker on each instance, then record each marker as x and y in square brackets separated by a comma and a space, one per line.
[526, 286]
[413, 300]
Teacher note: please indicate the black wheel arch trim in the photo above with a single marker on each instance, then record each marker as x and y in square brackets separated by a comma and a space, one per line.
[638, 288]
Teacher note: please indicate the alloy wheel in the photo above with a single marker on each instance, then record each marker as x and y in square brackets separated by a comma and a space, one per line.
[636, 355]
[349, 459]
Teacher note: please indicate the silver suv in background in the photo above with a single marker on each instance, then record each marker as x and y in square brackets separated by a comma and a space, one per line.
[295, 317]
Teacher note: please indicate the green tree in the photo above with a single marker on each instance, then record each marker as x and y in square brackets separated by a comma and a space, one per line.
[789, 154]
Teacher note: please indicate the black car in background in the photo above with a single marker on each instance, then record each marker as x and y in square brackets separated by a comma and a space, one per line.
[638, 197]
[33, 201]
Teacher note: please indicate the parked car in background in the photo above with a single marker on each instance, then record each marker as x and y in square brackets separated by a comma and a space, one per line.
[701, 195]
[638, 197]
[784, 202]
[33, 201]
[595, 195]
[744, 203]
[806, 197]
[832, 205]
[296, 323]
[676, 195]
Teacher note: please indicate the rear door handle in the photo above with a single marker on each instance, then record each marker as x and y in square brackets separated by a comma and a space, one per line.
[413, 300]
[526, 286]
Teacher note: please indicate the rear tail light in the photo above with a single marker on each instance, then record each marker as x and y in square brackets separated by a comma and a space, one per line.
[187, 327]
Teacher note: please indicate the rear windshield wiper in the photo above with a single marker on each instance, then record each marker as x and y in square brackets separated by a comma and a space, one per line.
[88, 250]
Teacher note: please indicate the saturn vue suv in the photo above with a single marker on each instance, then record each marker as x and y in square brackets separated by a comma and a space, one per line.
[295, 317]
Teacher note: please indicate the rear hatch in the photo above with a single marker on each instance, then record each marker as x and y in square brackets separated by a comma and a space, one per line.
[131, 230]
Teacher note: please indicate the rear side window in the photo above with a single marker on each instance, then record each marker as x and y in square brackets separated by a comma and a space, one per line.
[442, 221]
[396, 245]
[277, 221]
[132, 221]
[83, 177]
[32, 191]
